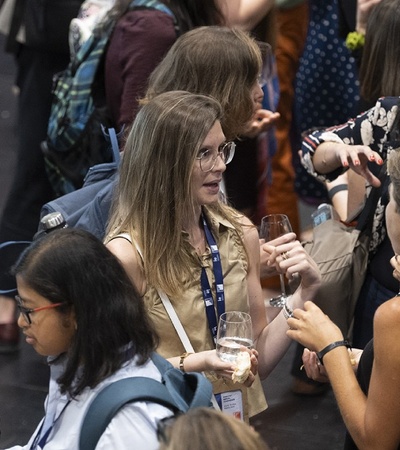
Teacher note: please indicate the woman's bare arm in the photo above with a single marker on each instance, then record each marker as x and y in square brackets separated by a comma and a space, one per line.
[244, 14]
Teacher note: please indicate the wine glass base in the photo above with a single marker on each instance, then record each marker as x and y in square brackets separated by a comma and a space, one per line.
[278, 302]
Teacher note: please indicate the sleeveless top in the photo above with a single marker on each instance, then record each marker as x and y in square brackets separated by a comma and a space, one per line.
[364, 372]
[190, 308]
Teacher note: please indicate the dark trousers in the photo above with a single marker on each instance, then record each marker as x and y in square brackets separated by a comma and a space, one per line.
[30, 188]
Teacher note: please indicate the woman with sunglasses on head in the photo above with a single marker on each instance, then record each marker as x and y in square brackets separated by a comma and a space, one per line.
[78, 307]
[174, 235]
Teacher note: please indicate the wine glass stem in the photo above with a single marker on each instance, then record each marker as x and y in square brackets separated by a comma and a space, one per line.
[282, 280]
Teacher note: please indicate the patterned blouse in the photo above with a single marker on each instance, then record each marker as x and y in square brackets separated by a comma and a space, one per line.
[372, 128]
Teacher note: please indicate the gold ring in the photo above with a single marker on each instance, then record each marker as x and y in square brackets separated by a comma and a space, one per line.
[285, 255]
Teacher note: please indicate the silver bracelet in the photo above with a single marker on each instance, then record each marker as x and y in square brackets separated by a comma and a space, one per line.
[287, 310]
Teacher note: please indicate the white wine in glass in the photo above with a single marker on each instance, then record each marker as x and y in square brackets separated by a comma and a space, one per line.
[234, 331]
[273, 226]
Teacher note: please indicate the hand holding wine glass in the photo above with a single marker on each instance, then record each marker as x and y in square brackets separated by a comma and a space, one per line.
[273, 226]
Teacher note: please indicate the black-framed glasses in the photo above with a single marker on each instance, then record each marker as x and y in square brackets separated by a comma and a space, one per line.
[26, 312]
[208, 158]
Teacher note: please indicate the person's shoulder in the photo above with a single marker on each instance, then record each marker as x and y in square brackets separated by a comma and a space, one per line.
[136, 422]
[144, 27]
[122, 247]
[387, 337]
[145, 17]
[389, 310]
[387, 317]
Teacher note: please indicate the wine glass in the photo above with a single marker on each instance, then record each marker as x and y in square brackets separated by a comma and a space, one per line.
[234, 331]
[273, 226]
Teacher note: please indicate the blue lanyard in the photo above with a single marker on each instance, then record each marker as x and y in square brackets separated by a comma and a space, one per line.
[219, 284]
[41, 440]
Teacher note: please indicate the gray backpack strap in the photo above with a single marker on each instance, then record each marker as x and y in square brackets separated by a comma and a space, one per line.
[112, 398]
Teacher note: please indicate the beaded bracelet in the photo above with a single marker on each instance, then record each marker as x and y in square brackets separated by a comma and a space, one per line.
[328, 348]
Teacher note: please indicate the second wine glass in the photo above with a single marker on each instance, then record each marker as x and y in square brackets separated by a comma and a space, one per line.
[273, 226]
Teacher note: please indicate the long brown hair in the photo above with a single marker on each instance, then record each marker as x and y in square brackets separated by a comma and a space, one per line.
[155, 191]
[216, 61]
[380, 65]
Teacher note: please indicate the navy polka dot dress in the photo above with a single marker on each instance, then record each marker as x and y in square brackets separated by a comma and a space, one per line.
[326, 87]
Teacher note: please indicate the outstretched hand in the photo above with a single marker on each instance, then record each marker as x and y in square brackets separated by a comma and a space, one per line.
[262, 121]
[356, 157]
[312, 328]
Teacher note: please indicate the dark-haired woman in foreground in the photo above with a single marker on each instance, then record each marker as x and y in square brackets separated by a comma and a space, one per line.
[78, 307]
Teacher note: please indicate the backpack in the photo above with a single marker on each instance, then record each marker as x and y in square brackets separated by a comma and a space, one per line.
[179, 391]
[88, 207]
[81, 27]
[75, 138]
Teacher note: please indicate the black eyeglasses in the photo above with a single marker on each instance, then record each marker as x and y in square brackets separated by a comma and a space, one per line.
[26, 312]
[208, 159]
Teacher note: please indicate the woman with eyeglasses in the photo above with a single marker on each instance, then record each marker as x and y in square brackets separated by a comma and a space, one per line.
[174, 235]
[78, 307]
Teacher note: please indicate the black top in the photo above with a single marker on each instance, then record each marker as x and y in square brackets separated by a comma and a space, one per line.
[364, 377]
